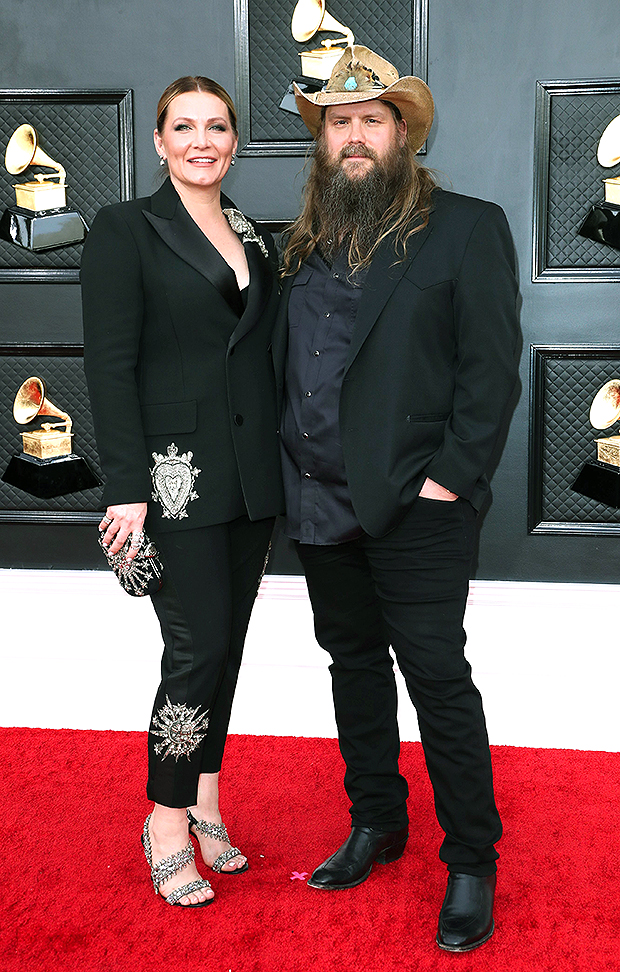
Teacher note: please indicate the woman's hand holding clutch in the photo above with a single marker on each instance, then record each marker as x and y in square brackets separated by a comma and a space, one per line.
[119, 523]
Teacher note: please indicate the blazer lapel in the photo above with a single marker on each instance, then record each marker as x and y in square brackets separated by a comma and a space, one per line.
[177, 229]
[261, 283]
[179, 232]
[381, 280]
[280, 331]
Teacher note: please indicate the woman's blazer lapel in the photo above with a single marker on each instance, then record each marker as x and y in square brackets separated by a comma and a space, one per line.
[280, 336]
[262, 282]
[179, 232]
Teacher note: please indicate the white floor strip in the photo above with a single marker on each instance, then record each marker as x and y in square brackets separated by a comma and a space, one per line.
[77, 652]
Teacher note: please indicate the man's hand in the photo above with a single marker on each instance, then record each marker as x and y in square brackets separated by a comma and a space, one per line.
[432, 490]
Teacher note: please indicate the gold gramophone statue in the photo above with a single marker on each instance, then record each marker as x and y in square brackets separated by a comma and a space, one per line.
[46, 442]
[600, 479]
[40, 219]
[47, 466]
[602, 223]
[309, 18]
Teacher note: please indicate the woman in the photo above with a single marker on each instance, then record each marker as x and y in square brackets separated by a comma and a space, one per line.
[178, 300]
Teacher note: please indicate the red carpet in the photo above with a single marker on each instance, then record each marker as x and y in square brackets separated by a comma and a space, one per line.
[77, 896]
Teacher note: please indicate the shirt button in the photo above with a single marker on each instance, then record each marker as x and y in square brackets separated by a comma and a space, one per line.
[308, 394]
[336, 276]
[305, 435]
[316, 354]
[327, 314]
[307, 476]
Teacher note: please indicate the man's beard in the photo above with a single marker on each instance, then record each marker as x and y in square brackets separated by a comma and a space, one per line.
[352, 208]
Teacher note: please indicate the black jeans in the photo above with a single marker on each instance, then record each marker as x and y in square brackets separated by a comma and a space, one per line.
[408, 589]
[211, 578]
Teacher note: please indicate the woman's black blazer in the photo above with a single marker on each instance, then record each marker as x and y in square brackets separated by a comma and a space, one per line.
[181, 387]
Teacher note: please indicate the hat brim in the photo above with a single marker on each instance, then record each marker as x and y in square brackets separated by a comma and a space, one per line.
[411, 96]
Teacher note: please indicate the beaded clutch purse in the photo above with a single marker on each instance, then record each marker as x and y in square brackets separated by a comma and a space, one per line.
[140, 576]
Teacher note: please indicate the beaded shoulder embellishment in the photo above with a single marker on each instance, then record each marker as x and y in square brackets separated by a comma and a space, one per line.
[241, 224]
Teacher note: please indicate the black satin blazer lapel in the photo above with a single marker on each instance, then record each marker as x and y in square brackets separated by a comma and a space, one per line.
[188, 241]
[261, 283]
[176, 228]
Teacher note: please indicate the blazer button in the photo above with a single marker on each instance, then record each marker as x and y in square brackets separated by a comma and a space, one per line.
[238, 419]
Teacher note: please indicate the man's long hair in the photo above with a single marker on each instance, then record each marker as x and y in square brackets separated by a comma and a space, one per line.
[406, 212]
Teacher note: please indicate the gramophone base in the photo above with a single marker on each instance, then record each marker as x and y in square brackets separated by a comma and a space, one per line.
[42, 230]
[599, 481]
[46, 478]
[307, 85]
[602, 224]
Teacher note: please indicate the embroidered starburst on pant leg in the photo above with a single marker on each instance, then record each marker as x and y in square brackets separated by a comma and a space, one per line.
[180, 727]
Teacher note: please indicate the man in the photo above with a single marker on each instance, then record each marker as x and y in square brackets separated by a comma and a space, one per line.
[397, 336]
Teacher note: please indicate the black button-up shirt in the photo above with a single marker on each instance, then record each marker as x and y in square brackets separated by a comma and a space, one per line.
[321, 312]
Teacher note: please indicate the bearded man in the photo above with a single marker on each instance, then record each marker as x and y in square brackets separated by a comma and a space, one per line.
[397, 340]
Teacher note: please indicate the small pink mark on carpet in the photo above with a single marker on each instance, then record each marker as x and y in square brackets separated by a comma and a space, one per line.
[299, 875]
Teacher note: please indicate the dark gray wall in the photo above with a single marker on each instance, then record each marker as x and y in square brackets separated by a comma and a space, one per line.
[485, 57]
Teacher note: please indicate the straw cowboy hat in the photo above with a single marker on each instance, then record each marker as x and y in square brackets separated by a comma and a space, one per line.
[361, 75]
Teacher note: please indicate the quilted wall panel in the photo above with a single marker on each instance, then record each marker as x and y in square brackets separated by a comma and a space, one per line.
[66, 388]
[274, 54]
[576, 178]
[571, 116]
[86, 138]
[566, 384]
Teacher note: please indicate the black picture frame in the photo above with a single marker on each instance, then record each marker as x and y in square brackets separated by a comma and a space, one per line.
[90, 132]
[563, 381]
[63, 374]
[570, 118]
[256, 94]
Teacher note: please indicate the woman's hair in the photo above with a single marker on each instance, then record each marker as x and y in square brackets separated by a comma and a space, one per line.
[198, 83]
[407, 215]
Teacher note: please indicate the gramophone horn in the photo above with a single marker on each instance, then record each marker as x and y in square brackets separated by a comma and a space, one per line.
[23, 150]
[30, 401]
[310, 16]
[605, 408]
[608, 151]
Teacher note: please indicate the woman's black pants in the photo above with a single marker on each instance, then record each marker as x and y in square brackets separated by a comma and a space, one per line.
[211, 577]
[408, 590]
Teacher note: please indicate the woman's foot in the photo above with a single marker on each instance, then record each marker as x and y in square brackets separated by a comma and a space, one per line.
[215, 847]
[168, 834]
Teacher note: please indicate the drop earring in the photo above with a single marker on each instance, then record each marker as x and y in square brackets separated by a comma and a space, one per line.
[162, 160]
[233, 160]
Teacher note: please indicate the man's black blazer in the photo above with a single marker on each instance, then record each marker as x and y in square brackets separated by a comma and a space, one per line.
[178, 382]
[432, 362]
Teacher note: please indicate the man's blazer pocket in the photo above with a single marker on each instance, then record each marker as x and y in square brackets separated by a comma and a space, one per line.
[428, 417]
[423, 280]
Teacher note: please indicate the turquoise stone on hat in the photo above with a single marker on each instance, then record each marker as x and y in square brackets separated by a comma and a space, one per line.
[350, 84]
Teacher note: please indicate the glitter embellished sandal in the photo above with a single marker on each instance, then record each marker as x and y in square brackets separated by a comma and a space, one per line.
[217, 832]
[169, 866]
